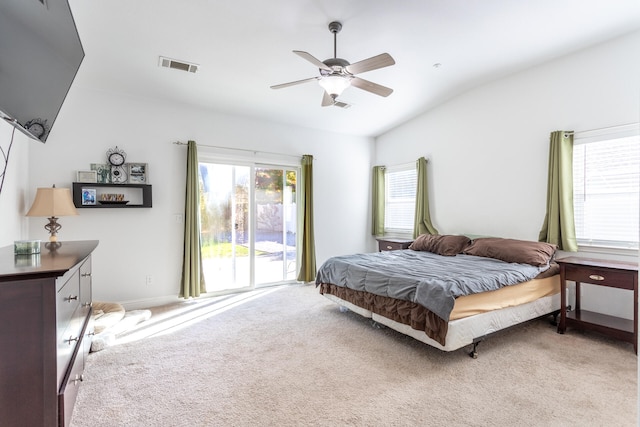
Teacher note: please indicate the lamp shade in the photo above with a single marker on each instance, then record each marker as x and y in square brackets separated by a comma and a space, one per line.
[52, 202]
[334, 85]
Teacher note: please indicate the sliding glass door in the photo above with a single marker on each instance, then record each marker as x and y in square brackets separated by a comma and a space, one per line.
[275, 237]
[248, 225]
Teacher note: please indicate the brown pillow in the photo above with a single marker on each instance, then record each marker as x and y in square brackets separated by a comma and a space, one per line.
[511, 250]
[446, 245]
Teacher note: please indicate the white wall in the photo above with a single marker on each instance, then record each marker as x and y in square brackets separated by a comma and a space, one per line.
[488, 148]
[135, 243]
[14, 201]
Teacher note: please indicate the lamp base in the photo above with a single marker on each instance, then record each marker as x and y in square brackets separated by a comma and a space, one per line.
[53, 227]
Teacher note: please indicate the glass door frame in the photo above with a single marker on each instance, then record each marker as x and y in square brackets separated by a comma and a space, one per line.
[253, 164]
[284, 168]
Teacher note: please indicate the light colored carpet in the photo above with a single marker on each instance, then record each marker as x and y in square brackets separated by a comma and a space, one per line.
[288, 357]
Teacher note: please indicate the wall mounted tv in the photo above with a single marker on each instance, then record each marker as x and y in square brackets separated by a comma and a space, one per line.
[40, 53]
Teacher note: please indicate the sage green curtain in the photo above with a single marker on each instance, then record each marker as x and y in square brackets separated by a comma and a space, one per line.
[377, 199]
[422, 223]
[307, 271]
[192, 283]
[559, 224]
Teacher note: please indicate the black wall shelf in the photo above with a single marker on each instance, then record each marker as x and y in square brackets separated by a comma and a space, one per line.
[140, 195]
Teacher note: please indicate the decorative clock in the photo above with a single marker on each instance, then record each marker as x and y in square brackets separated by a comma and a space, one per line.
[116, 158]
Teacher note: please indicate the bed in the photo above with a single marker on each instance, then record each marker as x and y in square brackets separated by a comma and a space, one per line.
[447, 291]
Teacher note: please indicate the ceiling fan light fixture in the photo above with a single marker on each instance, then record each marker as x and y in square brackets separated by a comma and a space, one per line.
[334, 85]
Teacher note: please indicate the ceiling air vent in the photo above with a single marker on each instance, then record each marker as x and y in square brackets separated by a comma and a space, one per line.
[178, 65]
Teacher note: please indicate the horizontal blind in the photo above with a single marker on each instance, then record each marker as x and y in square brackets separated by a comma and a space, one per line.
[606, 181]
[400, 199]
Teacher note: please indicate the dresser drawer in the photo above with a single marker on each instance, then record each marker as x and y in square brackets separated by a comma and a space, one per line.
[85, 286]
[69, 391]
[599, 276]
[67, 301]
[67, 343]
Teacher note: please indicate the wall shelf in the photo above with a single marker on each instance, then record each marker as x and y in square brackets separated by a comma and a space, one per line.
[138, 195]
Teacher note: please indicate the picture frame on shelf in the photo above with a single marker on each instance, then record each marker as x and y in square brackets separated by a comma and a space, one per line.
[104, 172]
[119, 174]
[87, 176]
[138, 173]
[88, 196]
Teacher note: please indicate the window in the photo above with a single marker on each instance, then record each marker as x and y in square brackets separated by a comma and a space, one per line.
[400, 199]
[606, 176]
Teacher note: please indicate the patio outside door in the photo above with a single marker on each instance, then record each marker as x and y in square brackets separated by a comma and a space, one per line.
[248, 225]
[275, 237]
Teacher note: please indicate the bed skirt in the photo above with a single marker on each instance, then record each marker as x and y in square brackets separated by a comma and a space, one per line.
[404, 312]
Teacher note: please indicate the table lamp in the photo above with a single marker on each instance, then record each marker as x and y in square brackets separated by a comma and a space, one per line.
[53, 203]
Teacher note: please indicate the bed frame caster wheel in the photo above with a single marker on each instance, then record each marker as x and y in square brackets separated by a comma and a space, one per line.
[474, 352]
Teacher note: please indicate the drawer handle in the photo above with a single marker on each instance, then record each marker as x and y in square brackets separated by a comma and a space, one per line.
[85, 275]
[86, 304]
[596, 277]
[78, 378]
[389, 247]
[71, 298]
[72, 340]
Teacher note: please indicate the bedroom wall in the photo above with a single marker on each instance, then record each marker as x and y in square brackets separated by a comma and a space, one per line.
[14, 194]
[488, 148]
[135, 243]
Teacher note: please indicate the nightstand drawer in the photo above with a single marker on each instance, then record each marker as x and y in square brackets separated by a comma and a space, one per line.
[600, 276]
[393, 244]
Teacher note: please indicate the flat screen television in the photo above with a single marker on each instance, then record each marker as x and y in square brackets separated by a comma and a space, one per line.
[40, 54]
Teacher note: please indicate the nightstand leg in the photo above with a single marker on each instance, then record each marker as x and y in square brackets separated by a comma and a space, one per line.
[562, 325]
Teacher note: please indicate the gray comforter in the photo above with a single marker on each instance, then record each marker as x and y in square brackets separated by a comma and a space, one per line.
[431, 280]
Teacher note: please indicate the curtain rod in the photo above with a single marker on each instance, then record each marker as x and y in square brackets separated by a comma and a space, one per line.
[254, 152]
[627, 125]
[402, 165]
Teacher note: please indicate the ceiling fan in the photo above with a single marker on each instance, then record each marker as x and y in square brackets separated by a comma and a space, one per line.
[337, 74]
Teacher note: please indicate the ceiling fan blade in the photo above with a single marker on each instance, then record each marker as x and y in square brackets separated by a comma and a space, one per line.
[371, 87]
[373, 63]
[327, 100]
[297, 82]
[312, 59]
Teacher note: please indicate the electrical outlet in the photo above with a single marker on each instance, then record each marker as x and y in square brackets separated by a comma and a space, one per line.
[149, 280]
[179, 218]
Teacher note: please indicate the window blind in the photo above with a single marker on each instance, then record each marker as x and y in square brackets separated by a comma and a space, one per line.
[606, 178]
[400, 199]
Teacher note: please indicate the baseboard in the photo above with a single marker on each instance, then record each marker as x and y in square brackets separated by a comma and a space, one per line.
[149, 302]
[170, 299]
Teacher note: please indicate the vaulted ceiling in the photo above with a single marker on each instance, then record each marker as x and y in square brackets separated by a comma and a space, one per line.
[243, 47]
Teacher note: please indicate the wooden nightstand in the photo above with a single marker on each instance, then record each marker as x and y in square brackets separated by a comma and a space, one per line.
[390, 244]
[614, 274]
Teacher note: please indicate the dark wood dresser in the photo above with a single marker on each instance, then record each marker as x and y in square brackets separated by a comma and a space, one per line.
[45, 332]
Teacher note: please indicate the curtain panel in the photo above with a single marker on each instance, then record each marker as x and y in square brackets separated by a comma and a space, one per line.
[559, 224]
[377, 198]
[307, 264]
[422, 223]
[192, 282]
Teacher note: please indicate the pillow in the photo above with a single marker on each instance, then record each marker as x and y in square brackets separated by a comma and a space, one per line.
[446, 245]
[106, 314]
[511, 250]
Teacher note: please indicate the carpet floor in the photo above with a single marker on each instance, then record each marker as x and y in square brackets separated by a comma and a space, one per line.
[287, 356]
